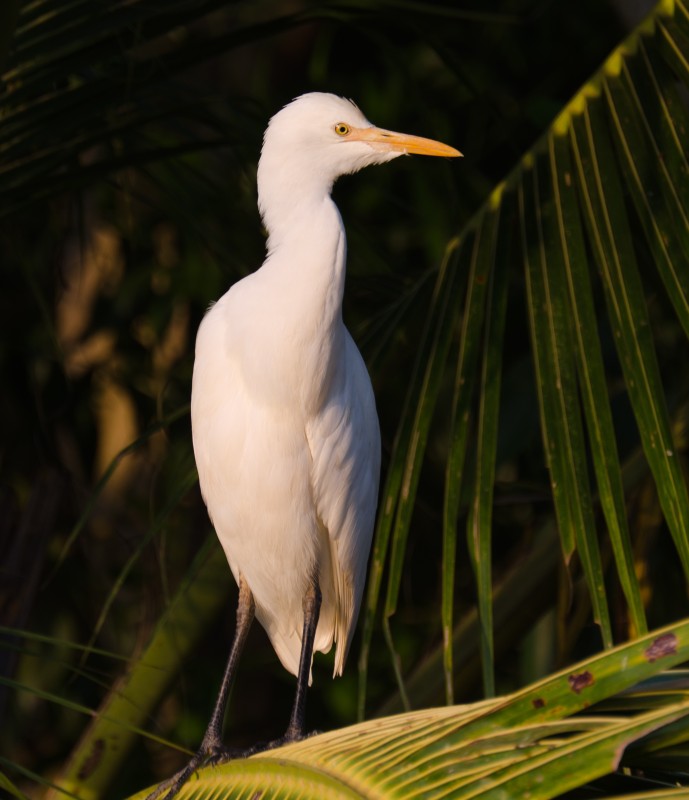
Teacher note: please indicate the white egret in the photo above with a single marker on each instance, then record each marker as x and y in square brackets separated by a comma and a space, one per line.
[284, 422]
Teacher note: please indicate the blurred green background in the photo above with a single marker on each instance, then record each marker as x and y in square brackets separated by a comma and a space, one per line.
[130, 137]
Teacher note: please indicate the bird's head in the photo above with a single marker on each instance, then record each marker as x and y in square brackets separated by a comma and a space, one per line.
[318, 137]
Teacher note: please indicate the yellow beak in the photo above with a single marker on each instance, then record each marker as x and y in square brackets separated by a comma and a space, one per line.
[401, 142]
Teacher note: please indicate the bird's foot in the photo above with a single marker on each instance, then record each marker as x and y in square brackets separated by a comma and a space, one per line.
[211, 753]
[289, 737]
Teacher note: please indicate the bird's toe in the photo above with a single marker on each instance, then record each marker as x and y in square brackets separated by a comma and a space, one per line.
[221, 754]
[211, 753]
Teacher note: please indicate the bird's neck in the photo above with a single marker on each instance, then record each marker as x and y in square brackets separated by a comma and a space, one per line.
[309, 245]
[305, 272]
[306, 260]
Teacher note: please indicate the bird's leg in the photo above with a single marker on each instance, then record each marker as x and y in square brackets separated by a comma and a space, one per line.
[212, 750]
[296, 728]
[312, 607]
[246, 608]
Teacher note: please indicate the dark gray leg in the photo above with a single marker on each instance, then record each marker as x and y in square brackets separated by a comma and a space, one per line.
[296, 728]
[212, 749]
[212, 739]
[312, 607]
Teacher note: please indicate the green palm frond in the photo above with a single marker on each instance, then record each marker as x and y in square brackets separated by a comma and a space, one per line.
[601, 196]
[530, 744]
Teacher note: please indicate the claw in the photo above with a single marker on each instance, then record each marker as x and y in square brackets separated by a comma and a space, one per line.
[207, 756]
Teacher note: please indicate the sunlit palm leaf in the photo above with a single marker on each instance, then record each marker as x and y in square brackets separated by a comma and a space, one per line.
[526, 744]
[429, 758]
[611, 239]
[623, 134]
[561, 423]
[591, 374]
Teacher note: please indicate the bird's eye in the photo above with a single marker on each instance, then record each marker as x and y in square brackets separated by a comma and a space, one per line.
[342, 129]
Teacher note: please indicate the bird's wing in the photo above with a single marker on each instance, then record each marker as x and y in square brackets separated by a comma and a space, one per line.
[344, 439]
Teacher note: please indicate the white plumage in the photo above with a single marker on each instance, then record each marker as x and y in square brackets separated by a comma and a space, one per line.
[287, 448]
[285, 428]
[283, 417]
[284, 423]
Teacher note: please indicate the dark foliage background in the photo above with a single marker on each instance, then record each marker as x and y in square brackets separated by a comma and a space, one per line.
[127, 205]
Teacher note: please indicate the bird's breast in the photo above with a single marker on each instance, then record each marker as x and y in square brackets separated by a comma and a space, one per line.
[283, 329]
[279, 352]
